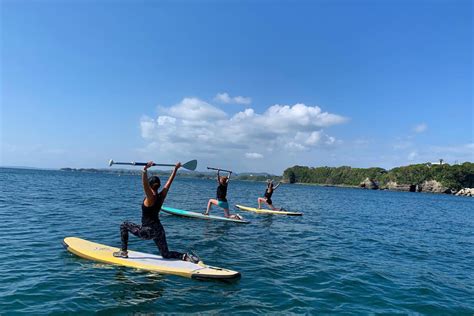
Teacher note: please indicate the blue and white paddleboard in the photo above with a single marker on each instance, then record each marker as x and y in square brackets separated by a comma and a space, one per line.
[184, 213]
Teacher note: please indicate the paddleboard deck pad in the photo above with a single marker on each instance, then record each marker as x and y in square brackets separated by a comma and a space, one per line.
[178, 212]
[144, 261]
[265, 211]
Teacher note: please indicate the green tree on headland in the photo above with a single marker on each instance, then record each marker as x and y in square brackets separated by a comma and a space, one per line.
[451, 176]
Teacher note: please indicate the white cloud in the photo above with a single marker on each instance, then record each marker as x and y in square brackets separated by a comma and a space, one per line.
[301, 115]
[194, 109]
[294, 146]
[313, 138]
[198, 128]
[163, 120]
[420, 128]
[147, 125]
[306, 141]
[253, 155]
[330, 140]
[226, 98]
[412, 155]
[242, 100]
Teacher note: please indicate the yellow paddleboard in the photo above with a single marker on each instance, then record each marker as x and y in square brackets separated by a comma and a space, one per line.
[144, 261]
[265, 211]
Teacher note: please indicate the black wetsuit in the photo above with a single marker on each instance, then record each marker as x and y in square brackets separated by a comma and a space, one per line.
[221, 192]
[151, 228]
[268, 196]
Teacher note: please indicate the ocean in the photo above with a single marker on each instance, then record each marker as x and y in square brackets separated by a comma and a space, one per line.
[353, 251]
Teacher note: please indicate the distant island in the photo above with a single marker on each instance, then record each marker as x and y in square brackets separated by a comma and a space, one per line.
[428, 177]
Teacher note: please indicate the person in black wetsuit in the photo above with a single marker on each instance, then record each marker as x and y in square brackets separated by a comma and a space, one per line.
[268, 196]
[151, 227]
[221, 195]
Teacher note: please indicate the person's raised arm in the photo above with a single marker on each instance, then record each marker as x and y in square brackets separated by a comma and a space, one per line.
[165, 190]
[228, 176]
[150, 197]
[218, 177]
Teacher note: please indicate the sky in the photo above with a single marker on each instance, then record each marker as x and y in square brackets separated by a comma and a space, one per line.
[251, 86]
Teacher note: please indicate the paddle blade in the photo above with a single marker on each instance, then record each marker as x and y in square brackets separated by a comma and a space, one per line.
[191, 165]
[111, 162]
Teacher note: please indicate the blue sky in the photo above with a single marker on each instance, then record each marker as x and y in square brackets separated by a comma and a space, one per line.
[251, 86]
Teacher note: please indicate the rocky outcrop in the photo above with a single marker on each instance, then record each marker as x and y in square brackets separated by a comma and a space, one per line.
[400, 187]
[433, 186]
[466, 192]
[369, 184]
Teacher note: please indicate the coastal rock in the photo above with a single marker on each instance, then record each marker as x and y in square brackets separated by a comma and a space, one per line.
[466, 192]
[433, 186]
[369, 184]
[400, 187]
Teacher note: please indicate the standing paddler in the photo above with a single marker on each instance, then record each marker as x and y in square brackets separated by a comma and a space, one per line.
[267, 197]
[221, 195]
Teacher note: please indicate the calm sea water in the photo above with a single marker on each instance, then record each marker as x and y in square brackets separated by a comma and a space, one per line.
[353, 251]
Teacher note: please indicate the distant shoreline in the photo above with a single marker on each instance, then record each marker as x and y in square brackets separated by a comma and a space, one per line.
[244, 176]
[328, 185]
[370, 183]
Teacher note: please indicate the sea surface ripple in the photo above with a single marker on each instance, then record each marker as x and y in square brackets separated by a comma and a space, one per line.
[353, 251]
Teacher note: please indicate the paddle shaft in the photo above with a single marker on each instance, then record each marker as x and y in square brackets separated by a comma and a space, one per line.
[218, 169]
[133, 163]
[190, 165]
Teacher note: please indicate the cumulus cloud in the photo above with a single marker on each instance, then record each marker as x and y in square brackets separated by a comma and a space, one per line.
[227, 99]
[147, 126]
[312, 138]
[206, 130]
[420, 128]
[253, 155]
[194, 109]
[301, 115]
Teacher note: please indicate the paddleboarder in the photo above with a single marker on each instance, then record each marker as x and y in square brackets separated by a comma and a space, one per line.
[267, 198]
[221, 196]
[151, 227]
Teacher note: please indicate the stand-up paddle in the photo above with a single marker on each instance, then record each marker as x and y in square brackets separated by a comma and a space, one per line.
[190, 165]
[219, 169]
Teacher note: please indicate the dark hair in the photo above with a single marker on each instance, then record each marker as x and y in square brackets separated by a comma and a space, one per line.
[154, 180]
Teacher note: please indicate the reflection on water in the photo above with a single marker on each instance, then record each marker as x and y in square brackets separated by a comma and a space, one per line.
[267, 220]
[147, 288]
